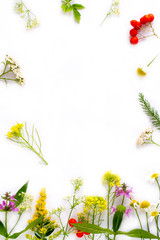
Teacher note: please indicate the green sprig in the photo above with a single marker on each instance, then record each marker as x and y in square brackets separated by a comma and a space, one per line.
[67, 6]
[150, 111]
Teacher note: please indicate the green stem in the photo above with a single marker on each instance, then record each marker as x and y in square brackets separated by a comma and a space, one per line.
[30, 147]
[108, 207]
[123, 199]
[147, 222]
[155, 143]
[152, 60]
[156, 220]
[139, 219]
[15, 224]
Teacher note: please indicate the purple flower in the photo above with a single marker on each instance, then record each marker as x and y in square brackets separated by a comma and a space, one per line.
[121, 192]
[9, 204]
[127, 212]
[113, 210]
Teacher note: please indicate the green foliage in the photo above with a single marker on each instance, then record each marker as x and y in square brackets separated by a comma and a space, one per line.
[3, 230]
[117, 220]
[67, 6]
[94, 229]
[150, 111]
[19, 195]
[30, 226]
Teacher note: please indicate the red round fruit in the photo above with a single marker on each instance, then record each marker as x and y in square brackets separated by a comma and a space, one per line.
[133, 23]
[71, 221]
[134, 40]
[143, 20]
[133, 32]
[138, 25]
[86, 233]
[79, 234]
[151, 16]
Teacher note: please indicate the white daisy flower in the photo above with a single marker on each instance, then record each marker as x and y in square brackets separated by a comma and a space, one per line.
[152, 176]
[153, 211]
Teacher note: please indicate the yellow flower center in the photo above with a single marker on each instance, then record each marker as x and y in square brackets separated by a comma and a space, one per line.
[154, 175]
[144, 204]
[154, 213]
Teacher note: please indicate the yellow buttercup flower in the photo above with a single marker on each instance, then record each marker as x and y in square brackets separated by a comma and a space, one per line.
[141, 72]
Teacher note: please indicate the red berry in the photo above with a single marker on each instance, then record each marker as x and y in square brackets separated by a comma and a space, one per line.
[86, 233]
[151, 16]
[134, 40]
[138, 25]
[71, 221]
[133, 23]
[145, 19]
[79, 234]
[133, 32]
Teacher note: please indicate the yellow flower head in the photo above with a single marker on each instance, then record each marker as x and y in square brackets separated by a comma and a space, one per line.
[144, 204]
[9, 135]
[155, 175]
[15, 130]
[134, 203]
[96, 203]
[141, 72]
[111, 179]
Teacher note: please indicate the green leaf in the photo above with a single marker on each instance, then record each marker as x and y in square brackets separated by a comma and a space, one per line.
[78, 6]
[117, 220]
[77, 15]
[66, 8]
[92, 228]
[150, 111]
[49, 232]
[138, 233]
[3, 230]
[30, 226]
[19, 196]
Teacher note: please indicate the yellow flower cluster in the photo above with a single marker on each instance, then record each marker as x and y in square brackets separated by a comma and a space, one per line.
[134, 203]
[15, 130]
[96, 203]
[144, 204]
[111, 179]
[41, 211]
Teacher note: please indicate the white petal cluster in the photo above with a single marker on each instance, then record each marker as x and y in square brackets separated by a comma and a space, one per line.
[26, 203]
[115, 7]
[15, 68]
[145, 136]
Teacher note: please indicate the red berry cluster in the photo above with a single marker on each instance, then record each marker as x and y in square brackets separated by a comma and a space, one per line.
[79, 233]
[139, 26]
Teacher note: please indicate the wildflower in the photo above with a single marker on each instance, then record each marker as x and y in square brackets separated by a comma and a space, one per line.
[47, 226]
[123, 191]
[96, 203]
[30, 18]
[110, 179]
[141, 71]
[11, 71]
[145, 137]
[144, 205]
[26, 203]
[114, 9]
[77, 183]
[152, 176]
[153, 212]
[121, 208]
[134, 203]
[20, 135]
[9, 203]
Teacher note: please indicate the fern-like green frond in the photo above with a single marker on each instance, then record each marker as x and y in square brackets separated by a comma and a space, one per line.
[150, 111]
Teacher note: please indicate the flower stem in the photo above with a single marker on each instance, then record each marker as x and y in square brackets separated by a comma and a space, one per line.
[30, 147]
[155, 143]
[147, 222]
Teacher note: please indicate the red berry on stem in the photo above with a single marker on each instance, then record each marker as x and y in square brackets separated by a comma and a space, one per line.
[138, 25]
[151, 16]
[86, 233]
[133, 23]
[133, 32]
[71, 221]
[134, 40]
[79, 234]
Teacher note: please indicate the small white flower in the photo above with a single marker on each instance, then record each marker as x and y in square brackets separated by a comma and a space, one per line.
[145, 136]
[152, 176]
[153, 211]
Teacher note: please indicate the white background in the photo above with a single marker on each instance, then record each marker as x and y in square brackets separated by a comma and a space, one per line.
[81, 93]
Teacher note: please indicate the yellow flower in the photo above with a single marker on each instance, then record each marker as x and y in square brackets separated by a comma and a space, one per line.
[141, 72]
[134, 203]
[155, 175]
[9, 135]
[96, 203]
[111, 179]
[144, 204]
